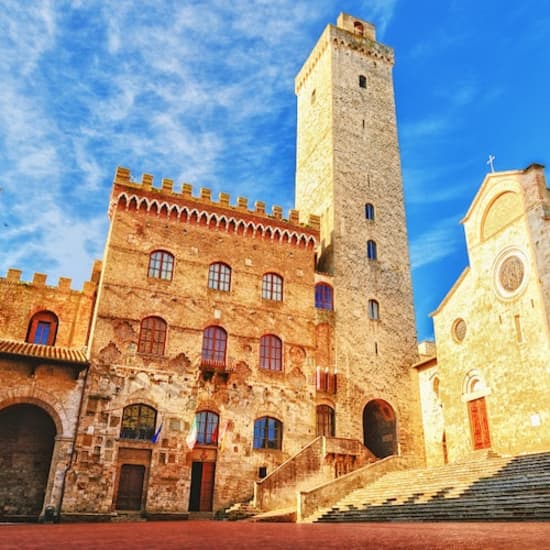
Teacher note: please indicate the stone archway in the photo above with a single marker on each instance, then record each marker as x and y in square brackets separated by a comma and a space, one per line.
[27, 438]
[379, 428]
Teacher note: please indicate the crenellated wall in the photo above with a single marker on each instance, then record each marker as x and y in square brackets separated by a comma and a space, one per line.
[41, 389]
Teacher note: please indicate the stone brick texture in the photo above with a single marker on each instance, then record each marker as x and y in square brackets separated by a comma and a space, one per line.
[53, 388]
[173, 383]
[348, 155]
[506, 343]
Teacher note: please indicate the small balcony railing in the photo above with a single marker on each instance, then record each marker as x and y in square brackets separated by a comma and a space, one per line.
[213, 365]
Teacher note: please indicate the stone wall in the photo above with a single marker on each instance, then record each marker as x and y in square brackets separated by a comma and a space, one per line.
[44, 381]
[174, 383]
[492, 330]
[347, 156]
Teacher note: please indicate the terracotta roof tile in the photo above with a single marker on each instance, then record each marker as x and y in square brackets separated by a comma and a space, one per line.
[49, 353]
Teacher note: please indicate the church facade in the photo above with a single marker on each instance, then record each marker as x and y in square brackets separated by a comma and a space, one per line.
[489, 386]
[217, 339]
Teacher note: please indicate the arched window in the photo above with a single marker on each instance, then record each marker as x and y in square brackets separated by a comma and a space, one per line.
[42, 328]
[325, 420]
[358, 27]
[161, 265]
[369, 211]
[371, 250]
[138, 422]
[207, 427]
[219, 277]
[268, 433]
[362, 81]
[271, 352]
[324, 296]
[374, 310]
[152, 336]
[272, 287]
[214, 343]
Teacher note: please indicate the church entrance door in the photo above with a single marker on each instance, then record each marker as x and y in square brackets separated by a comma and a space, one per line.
[202, 486]
[479, 424]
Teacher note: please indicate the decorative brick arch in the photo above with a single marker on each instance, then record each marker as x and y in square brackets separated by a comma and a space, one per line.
[59, 418]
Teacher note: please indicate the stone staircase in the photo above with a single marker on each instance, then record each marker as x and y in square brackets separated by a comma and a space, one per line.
[239, 511]
[506, 489]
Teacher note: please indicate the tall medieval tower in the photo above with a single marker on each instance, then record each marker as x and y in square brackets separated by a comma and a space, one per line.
[348, 172]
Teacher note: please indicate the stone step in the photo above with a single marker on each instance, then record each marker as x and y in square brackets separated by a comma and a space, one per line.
[492, 488]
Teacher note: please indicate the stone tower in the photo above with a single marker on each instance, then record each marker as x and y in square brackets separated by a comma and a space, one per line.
[348, 172]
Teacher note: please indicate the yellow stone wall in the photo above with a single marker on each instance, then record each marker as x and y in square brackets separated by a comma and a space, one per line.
[172, 383]
[348, 155]
[506, 340]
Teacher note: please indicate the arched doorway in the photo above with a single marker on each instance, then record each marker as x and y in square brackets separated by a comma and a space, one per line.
[27, 437]
[379, 428]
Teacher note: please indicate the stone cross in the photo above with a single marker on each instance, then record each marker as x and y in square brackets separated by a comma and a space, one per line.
[490, 162]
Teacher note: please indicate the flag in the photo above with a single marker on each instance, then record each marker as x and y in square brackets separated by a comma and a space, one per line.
[156, 435]
[191, 438]
[225, 429]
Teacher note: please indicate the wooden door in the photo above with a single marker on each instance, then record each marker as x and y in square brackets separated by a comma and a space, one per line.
[207, 486]
[202, 486]
[130, 487]
[479, 424]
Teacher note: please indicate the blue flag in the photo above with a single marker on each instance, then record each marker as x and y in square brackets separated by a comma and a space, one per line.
[156, 435]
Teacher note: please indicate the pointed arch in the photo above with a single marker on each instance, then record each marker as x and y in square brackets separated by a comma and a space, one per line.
[163, 212]
[122, 202]
[133, 204]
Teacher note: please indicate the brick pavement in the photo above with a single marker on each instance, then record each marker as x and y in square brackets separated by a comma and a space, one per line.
[205, 535]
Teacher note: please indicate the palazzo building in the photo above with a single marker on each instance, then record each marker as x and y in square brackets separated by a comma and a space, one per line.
[217, 340]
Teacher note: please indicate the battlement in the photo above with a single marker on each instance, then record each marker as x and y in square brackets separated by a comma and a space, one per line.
[349, 32]
[180, 204]
[356, 26]
[13, 276]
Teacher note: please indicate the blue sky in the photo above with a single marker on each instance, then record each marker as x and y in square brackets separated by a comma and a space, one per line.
[203, 92]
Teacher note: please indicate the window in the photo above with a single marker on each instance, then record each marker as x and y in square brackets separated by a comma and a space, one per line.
[214, 342]
[268, 433]
[42, 328]
[138, 422]
[219, 277]
[325, 420]
[371, 250]
[323, 296]
[374, 310]
[313, 97]
[161, 265]
[207, 427]
[358, 28]
[152, 336]
[272, 287]
[369, 211]
[362, 81]
[271, 352]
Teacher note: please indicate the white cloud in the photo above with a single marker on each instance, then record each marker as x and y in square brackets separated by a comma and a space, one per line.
[440, 241]
[380, 12]
[429, 127]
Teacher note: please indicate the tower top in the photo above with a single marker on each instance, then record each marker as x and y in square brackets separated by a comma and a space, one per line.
[349, 33]
[356, 26]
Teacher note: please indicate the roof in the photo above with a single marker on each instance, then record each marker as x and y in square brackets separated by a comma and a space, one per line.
[425, 362]
[50, 354]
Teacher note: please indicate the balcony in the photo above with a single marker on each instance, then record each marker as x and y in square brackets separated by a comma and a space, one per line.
[210, 367]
